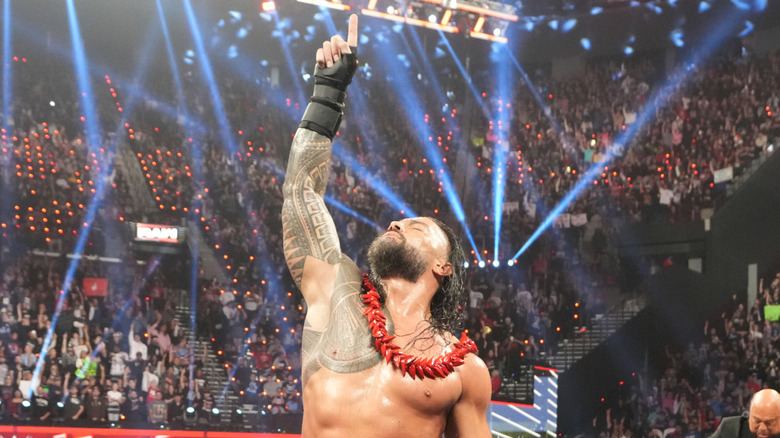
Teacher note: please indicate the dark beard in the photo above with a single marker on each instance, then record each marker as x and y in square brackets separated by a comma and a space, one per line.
[390, 258]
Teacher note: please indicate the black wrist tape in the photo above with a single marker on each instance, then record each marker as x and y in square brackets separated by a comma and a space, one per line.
[322, 119]
[324, 112]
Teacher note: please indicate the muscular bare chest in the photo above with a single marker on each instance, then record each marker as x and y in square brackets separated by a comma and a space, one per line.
[337, 336]
[378, 401]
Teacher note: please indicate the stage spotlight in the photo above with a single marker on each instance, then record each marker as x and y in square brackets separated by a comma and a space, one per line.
[25, 411]
[496, 263]
[268, 6]
[432, 18]
[58, 412]
[190, 416]
[481, 264]
[510, 262]
[214, 417]
[466, 265]
[490, 29]
[238, 419]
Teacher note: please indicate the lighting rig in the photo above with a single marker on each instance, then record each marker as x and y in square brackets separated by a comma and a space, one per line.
[332, 4]
[483, 19]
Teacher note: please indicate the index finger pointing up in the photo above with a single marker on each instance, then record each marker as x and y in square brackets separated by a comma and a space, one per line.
[352, 37]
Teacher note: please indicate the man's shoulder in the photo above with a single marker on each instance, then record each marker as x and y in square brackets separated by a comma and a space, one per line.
[473, 362]
[736, 419]
[473, 366]
[733, 420]
[475, 376]
[732, 426]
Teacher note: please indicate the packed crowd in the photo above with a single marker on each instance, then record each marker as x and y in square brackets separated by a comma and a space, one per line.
[112, 353]
[718, 115]
[715, 376]
[141, 368]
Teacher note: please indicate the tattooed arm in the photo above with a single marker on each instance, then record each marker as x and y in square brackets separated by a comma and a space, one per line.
[311, 244]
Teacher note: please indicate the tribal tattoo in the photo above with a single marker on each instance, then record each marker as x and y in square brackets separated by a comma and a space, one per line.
[308, 227]
[346, 345]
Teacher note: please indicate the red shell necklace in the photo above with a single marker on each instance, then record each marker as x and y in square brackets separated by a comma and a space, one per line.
[416, 367]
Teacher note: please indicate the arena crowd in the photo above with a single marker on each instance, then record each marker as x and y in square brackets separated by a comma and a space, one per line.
[126, 355]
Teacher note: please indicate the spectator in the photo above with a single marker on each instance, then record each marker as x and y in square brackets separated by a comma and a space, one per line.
[176, 411]
[135, 409]
[96, 406]
[40, 403]
[74, 405]
[137, 347]
[158, 410]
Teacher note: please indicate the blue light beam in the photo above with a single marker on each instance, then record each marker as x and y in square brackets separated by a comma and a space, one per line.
[92, 125]
[171, 57]
[466, 76]
[97, 69]
[333, 202]
[415, 116]
[195, 149]
[535, 92]
[8, 95]
[501, 148]
[208, 74]
[329, 199]
[375, 184]
[356, 95]
[300, 95]
[723, 30]
[194, 258]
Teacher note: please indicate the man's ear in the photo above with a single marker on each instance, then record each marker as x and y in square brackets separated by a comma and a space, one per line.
[442, 269]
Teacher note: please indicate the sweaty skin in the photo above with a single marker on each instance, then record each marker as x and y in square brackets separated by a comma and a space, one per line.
[348, 390]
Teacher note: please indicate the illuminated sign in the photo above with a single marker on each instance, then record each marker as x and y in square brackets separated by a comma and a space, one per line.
[156, 233]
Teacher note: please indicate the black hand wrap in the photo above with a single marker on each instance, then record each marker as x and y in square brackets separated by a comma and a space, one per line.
[323, 114]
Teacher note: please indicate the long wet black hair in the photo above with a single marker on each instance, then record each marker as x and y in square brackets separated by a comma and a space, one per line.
[449, 301]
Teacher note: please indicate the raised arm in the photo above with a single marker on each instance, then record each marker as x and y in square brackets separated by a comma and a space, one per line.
[311, 244]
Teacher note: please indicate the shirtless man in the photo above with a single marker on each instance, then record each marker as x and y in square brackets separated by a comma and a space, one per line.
[404, 373]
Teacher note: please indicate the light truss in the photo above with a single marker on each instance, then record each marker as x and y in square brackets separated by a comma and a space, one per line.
[332, 4]
[482, 19]
[481, 7]
[400, 18]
